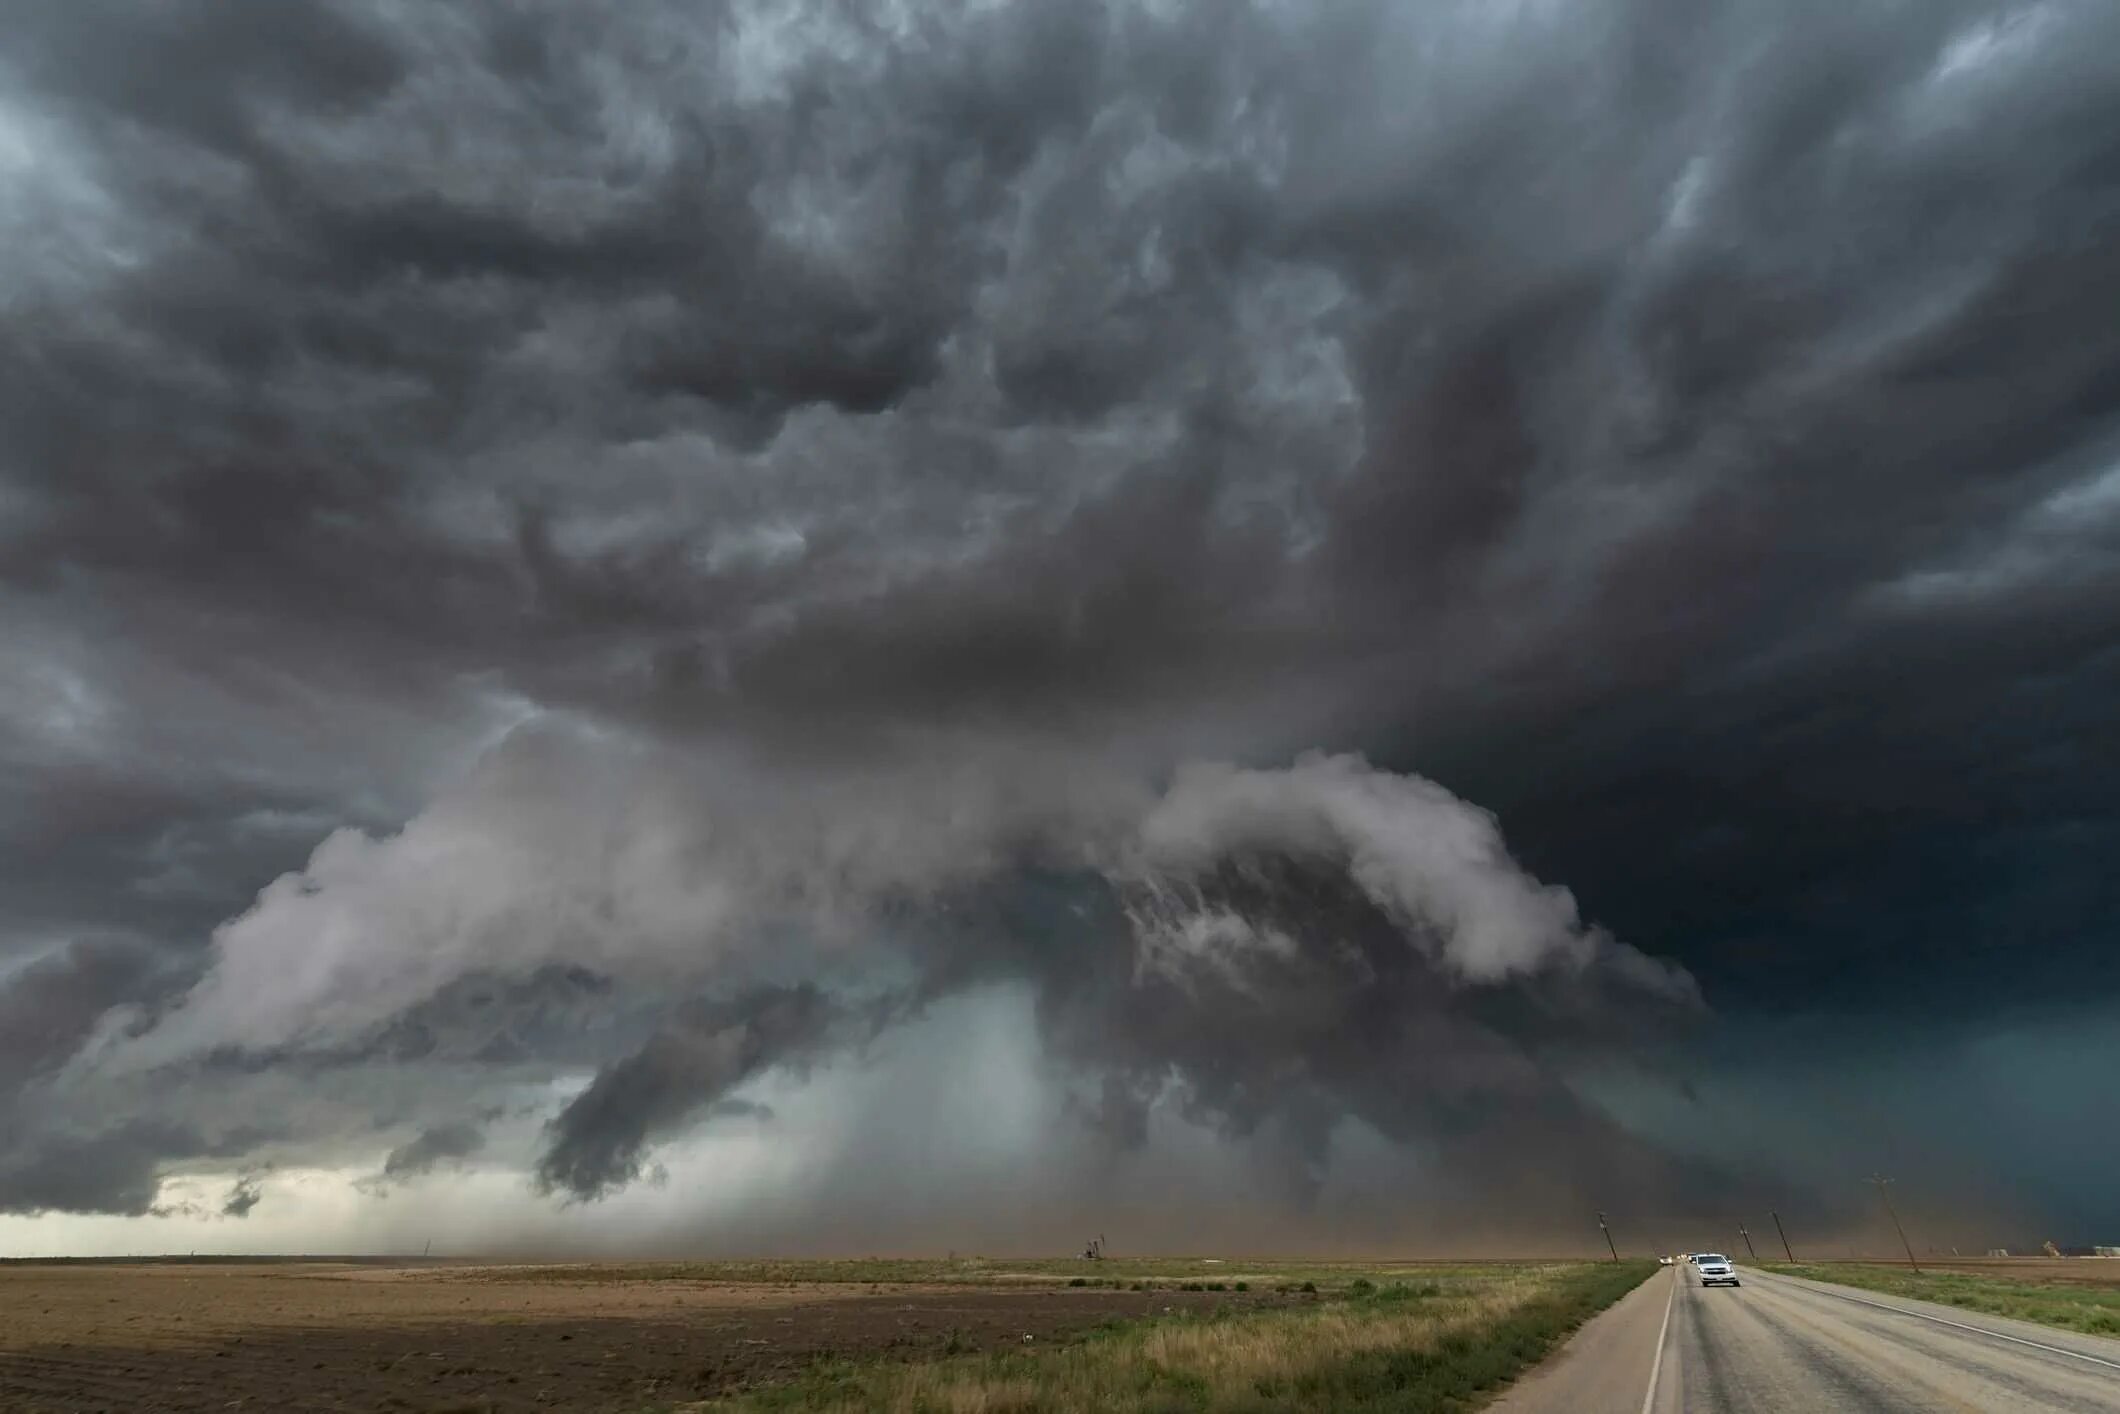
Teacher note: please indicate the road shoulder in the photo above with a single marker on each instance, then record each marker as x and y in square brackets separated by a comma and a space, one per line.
[1604, 1367]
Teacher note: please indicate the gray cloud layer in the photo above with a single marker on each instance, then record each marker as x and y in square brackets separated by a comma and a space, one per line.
[604, 512]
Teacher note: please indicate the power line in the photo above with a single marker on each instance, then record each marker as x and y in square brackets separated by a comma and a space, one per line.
[1882, 1184]
[1608, 1235]
[1784, 1238]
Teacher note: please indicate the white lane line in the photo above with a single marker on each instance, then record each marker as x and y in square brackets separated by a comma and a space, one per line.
[1956, 1325]
[1656, 1366]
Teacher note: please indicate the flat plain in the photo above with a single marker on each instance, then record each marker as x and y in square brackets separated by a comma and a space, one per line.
[465, 1337]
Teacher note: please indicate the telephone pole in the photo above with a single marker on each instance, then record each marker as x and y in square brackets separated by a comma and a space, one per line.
[1784, 1239]
[1608, 1235]
[1882, 1184]
[1748, 1241]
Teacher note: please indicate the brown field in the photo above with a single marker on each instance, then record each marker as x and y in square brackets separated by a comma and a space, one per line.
[327, 1336]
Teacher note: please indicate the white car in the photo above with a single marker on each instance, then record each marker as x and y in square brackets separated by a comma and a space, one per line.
[1715, 1269]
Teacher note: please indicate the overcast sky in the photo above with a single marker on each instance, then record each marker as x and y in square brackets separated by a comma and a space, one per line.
[844, 626]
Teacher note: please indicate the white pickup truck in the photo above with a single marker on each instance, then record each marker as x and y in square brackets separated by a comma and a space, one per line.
[1715, 1269]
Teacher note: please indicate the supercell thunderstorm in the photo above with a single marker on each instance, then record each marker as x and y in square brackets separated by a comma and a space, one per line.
[586, 582]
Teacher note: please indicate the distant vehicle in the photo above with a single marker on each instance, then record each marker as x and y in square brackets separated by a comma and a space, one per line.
[1663, 1261]
[1715, 1269]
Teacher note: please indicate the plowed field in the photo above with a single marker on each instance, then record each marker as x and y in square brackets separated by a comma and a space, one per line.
[327, 1337]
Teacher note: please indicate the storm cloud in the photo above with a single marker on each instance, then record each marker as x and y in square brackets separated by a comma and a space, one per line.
[1400, 572]
[598, 1142]
[442, 1144]
[243, 1195]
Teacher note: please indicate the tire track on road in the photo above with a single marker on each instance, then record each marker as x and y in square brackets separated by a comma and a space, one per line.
[1757, 1363]
[1889, 1381]
[2000, 1376]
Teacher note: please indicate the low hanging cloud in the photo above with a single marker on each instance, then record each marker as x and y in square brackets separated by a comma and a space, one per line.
[1436, 865]
[521, 868]
[600, 1141]
[431, 1148]
[243, 1195]
[114, 1170]
[1287, 946]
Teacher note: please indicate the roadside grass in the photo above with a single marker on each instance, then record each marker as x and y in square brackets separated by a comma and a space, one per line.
[1402, 1347]
[2069, 1306]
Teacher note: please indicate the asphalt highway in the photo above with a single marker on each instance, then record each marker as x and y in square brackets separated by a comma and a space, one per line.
[1780, 1344]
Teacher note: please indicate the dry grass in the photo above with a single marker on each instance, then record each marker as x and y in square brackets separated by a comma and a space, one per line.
[1428, 1347]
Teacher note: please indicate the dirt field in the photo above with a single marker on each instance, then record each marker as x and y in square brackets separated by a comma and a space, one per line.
[331, 1337]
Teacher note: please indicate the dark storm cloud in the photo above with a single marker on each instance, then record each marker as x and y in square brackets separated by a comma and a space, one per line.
[1687, 430]
[243, 1195]
[1269, 993]
[113, 1169]
[478, 1020]
[49, 1005]
[439, 1145]
[552, 1013]
[599, 1142]
[117, 1171]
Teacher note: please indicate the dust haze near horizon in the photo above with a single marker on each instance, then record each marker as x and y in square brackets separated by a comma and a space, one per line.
[825, 627]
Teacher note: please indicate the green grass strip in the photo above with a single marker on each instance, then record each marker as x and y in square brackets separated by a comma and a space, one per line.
[2075, 1306]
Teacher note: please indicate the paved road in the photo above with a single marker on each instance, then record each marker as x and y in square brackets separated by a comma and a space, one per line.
[1779, 1344]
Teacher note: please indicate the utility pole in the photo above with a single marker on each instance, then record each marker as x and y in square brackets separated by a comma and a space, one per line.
[1608, 1235]
[1748, 1241]
[1882, 1184]
[1784, 1239]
